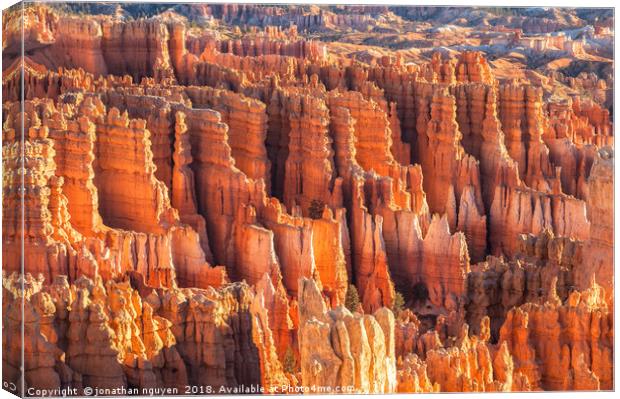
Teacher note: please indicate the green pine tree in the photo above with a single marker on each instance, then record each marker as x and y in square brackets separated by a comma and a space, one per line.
[289, 364]
[315, 210]
[352, 299]
[399, 303]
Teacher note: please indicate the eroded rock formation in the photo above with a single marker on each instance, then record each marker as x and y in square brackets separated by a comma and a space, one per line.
[190, 202]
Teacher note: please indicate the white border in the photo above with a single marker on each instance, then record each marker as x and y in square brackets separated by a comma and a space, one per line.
[522, 3]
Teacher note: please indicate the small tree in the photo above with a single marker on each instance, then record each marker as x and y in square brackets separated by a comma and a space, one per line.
[399, 303]
[289, 364]
[315, 210]
[352, 299]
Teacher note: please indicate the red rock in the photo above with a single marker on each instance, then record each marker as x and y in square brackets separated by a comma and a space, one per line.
[600, 245]
[163, 161]
[362, 336]
[247, 123]
[78, 44]
[571, 339]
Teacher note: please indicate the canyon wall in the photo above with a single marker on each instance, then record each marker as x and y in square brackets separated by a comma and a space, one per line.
[261, 209]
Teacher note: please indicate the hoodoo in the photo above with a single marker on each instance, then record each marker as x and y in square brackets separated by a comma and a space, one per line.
[307, 199]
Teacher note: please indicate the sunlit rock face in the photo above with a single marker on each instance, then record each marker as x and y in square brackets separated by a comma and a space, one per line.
[286, 199]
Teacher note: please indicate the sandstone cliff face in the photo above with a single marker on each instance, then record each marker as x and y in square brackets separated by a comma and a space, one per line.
[99, 45]
[110, 336]
[79, 45]
[135, 48]
[116, 138]
[198, 205]
[247, 123]
[160, 121]
[338, 349]
[91, 247]
[600, 245]
[289, 238]
[42, 21]
[571, 339]
[48, 256]
[274, 40]
[413, 376]
[451, 175]
[467, 367]
[545, 264]
[372, 133]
